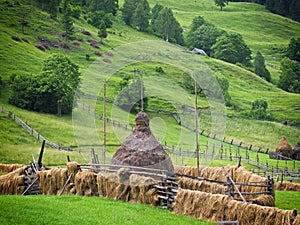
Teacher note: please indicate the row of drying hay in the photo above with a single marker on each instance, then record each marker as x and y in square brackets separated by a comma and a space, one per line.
[216, 188]
[238, 174]
[216, 207]
[7, 168]
[13, 182]
[287, 186]
[111, 185]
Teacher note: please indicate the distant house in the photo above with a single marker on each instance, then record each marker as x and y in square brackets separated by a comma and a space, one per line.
[199, 51]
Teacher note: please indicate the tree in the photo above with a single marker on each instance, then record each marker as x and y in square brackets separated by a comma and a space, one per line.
[67, 22]
[259, 109]
[260, 68]
[294, 10]
[129, 98]
[221, 3]
[204, 37]
[141, 16]
[155, 11]
[97, 17]
[290, 76]
[52, 91]
[232, 48]
[293, 50]
[168, 27]
[102, 30]
[107, 6]
[224, 84]
[128, 9]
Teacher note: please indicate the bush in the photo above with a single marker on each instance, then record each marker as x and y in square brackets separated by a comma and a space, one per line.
[259, 109]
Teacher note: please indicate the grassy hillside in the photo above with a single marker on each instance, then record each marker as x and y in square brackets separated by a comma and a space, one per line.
[245, 18]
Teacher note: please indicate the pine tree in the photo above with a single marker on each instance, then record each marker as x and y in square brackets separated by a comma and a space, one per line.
[102, 30]
[260, 68]
[67, 22]
[141, 16]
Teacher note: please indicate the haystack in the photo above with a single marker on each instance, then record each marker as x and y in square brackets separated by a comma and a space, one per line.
[287, 186]
[141, 149]
[296, 152]
[284, 148]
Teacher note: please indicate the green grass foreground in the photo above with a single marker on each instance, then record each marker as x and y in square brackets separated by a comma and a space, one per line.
[83, 210]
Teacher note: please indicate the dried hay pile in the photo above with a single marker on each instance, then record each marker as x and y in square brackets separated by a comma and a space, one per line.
[7, 168]
[296, 152]
[13, 182]
[197, 185]
[52, 181]
[86, 183]
[216, 207]
[141, 149]
[238, 174]
[135, 189]
[287, 186]
[284, 148]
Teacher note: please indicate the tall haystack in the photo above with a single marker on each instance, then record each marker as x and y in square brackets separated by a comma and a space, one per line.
[141, 149]
[284, 148]
[296, 152]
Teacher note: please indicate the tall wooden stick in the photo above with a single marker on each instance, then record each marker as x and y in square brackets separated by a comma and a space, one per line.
[196, 124]
[142, 95]
[104, 122]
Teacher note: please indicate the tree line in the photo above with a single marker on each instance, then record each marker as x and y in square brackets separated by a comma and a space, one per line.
[287, 8]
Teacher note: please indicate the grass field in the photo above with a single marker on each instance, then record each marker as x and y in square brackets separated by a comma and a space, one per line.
[83, 210]
[95, 210]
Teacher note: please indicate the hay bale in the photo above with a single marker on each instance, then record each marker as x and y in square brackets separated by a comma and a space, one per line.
[296, 152]
[86, 183]
[216, 207]
[141, 149]
[7, 168]
[287, 186]
[13, 182]
[284, 148]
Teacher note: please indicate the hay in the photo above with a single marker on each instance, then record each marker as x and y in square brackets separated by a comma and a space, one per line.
[13, 182]
[137, 189]
[297, 220]
[239, 174]
[52, 181]
[216, 207]
[7, 168]
[86, 183]
[284, 148]
[287, 186]
[141, 149]
[296, 152]
[205, 186]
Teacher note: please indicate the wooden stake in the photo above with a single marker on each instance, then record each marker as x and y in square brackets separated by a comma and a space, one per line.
[196, 124]
[104, 122]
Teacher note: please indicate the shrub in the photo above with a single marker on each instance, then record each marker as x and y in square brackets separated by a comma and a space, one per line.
[85, 32]
[16, 38]
[87, 57]
[259, 109]
[25, 40]
[109, 53]
[98, 53]
[41, 47]
[107, 60]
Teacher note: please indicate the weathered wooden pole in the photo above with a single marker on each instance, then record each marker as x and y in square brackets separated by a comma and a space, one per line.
[104, 122]
[196, 124]
[142, 95]
[41, 154]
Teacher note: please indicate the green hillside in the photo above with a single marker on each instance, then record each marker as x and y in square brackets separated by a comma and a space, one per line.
[260, 29]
